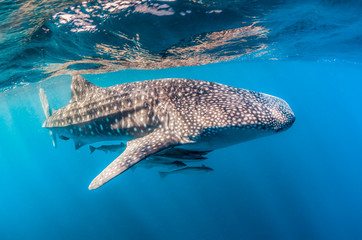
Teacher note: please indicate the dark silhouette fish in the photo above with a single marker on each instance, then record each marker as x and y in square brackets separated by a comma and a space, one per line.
[154, 162]
[203, 168]
[108, 148]
[179, 153]
[160, 114]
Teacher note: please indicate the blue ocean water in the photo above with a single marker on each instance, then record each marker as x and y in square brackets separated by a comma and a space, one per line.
[304, 183]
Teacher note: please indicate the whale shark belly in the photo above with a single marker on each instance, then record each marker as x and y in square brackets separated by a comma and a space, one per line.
[223, 138]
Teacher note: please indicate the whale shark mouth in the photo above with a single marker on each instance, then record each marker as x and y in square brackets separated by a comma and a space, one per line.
[286, 125]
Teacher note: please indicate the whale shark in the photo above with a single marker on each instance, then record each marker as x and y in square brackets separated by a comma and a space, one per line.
[156, 115]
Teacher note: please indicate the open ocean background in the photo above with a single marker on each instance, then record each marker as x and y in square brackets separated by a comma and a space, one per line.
[304, 183]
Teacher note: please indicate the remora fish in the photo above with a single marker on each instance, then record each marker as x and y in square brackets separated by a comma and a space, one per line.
[203, 168]
[158, 114]
[108, 148]
[178, 153]
[150, 163]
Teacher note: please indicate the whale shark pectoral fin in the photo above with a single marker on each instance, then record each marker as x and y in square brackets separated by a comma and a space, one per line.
[136, 150]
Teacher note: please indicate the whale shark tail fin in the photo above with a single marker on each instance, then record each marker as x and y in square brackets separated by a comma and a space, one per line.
[47, 112]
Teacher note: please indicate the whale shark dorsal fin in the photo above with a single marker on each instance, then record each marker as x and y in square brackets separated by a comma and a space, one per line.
[80, 87]
[137, 150]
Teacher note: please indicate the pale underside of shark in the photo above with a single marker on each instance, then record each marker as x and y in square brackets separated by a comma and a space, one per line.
[157, 115]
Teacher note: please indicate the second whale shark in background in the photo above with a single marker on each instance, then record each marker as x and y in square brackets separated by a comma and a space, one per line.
[156, 115]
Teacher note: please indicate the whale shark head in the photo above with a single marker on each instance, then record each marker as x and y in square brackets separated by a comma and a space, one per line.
[272, 113]
[245, 115]
[279, 115]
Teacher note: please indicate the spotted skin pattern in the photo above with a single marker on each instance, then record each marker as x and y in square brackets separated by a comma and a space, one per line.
[158, 114]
